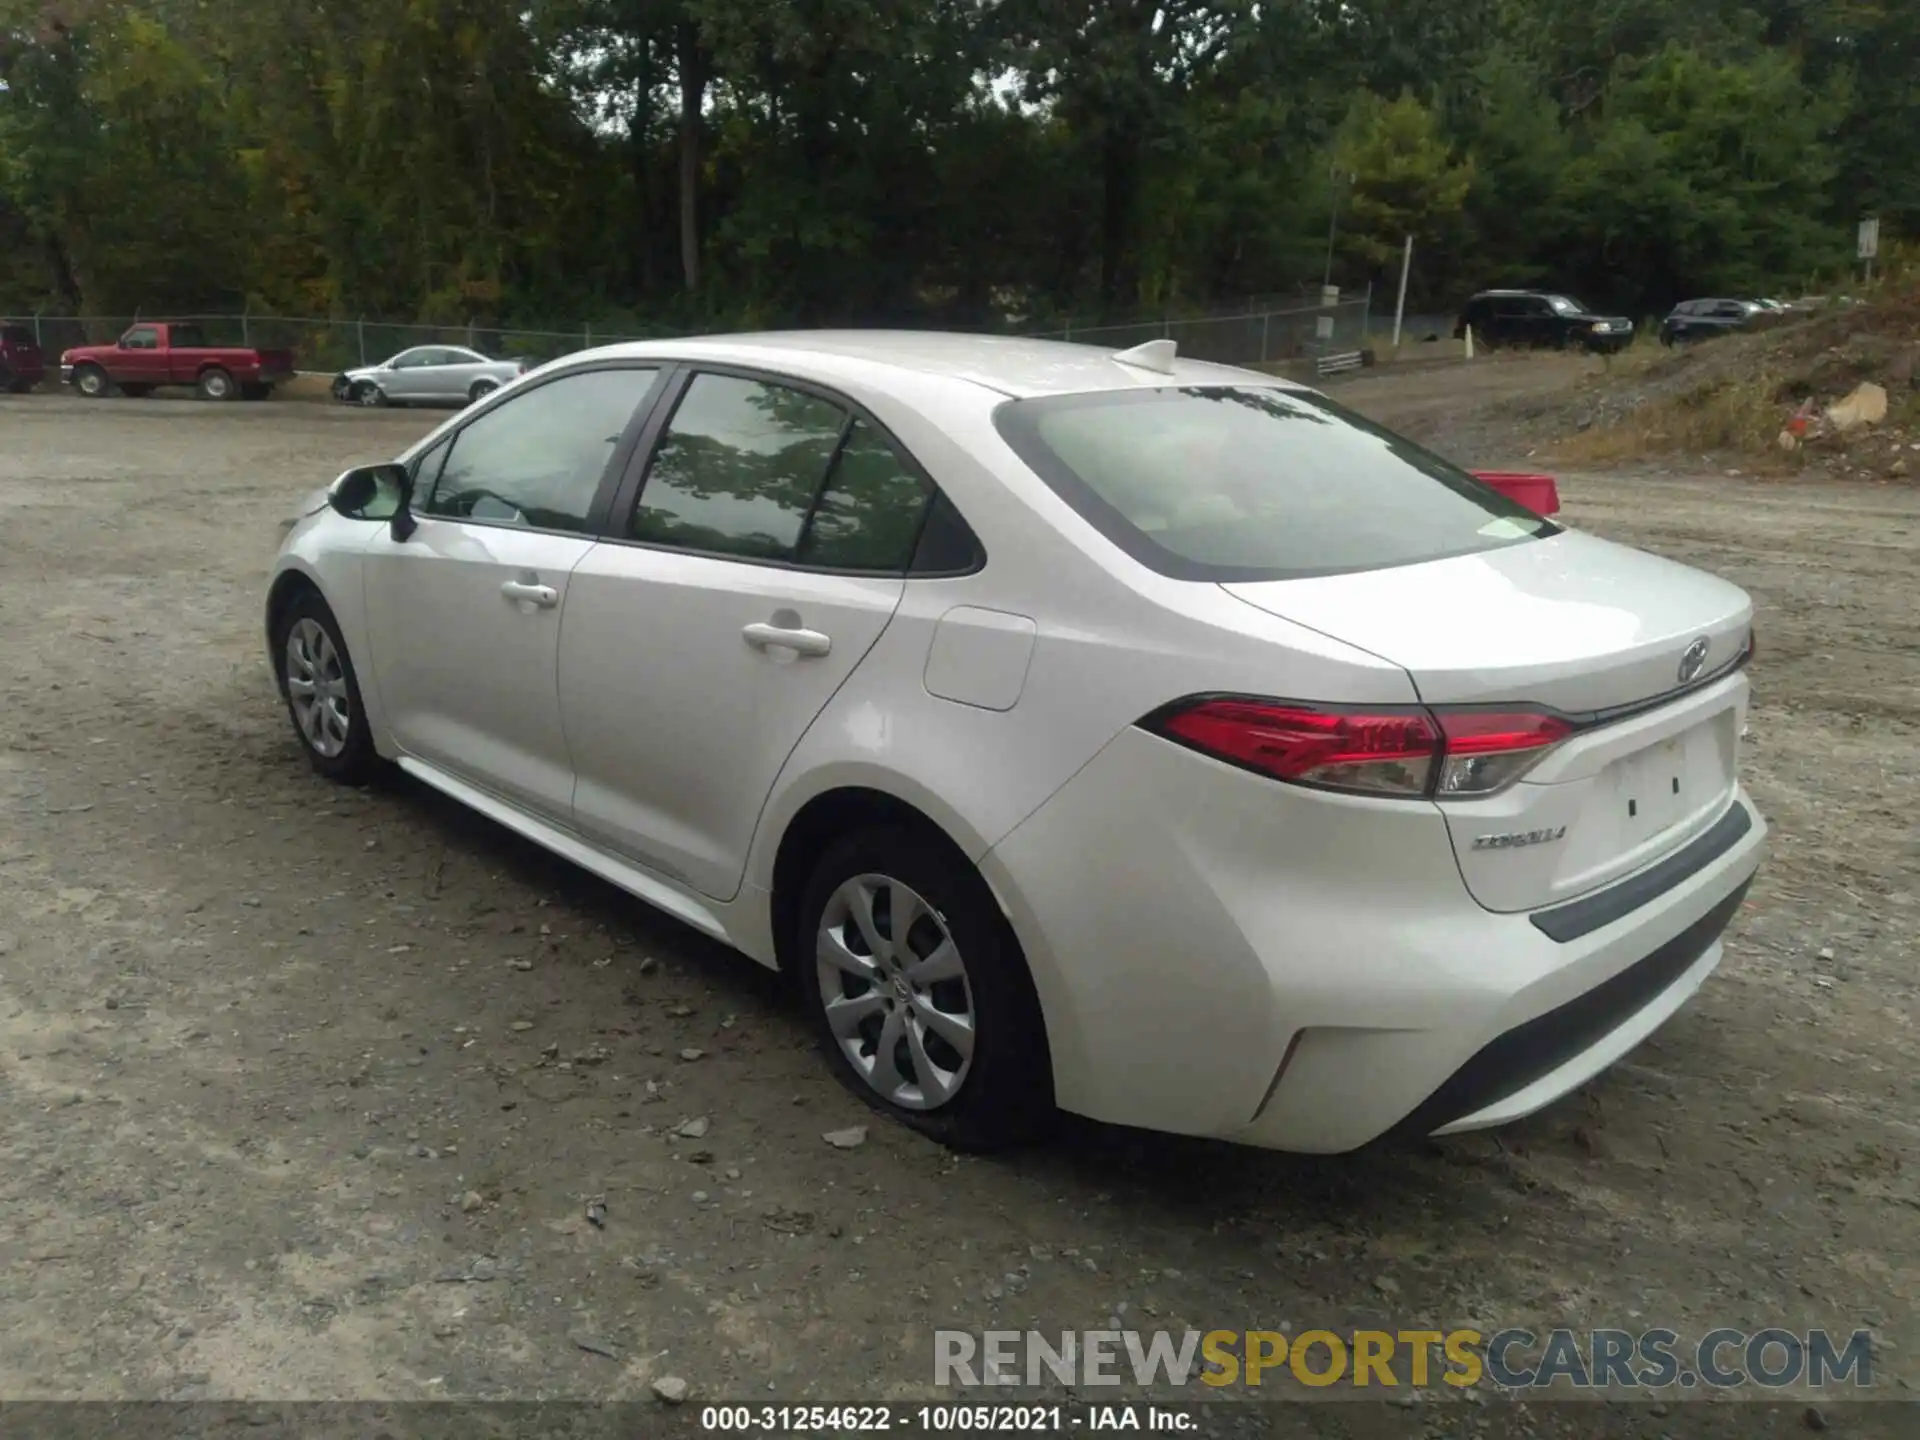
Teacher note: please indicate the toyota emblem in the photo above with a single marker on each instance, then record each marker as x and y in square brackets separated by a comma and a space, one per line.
[1694, 661]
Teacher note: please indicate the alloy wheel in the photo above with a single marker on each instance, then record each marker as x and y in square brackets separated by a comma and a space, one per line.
[895, 990]
[317, 688]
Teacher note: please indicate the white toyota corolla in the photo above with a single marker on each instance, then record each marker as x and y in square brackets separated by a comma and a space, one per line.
[1146, 737]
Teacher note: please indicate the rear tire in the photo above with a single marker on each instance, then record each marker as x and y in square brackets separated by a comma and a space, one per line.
[939, 1026]
[92, 382]
[481, 389]
[322, 693]
[218, 385]
[21, 387]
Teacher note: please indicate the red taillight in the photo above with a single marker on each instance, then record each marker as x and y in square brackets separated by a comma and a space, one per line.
[1485, 749]
[1372, 752]
[1405, 752]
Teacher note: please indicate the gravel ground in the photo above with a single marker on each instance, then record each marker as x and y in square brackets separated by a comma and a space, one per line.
[327, 1094]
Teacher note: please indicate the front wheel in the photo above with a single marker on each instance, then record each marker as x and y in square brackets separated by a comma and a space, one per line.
[481, 389]
[323, 696]
[369, 394]
[918, 992]
[216, 384]
[91, 381]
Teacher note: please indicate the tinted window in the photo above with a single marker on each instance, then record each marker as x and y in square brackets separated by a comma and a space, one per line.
[947, 545]
[870, 513]
[737, 468]
[1249, 483]
[413, 359]
[538, 458]
[16, 335]
[188, 337]
[145, 338]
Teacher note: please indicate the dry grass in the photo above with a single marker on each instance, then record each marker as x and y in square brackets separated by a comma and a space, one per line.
[1739, 417]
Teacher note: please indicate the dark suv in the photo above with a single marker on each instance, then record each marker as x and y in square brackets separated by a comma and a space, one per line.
[1541, 318]
[21, 365]
[1703, 319]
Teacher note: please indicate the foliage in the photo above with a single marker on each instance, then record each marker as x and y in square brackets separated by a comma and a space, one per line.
[976, 162]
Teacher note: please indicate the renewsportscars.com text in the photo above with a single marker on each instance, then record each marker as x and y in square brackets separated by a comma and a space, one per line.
[1608, 1359]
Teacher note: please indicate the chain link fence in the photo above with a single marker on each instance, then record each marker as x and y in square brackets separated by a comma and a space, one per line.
[1254, 336]
[327, 345]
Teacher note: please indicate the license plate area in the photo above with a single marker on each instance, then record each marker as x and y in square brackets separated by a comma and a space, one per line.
[1657, 788]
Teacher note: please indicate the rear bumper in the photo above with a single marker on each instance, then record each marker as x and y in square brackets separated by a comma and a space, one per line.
[1220, 955]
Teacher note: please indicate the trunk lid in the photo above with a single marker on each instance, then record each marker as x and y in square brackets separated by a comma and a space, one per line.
[1585, 627]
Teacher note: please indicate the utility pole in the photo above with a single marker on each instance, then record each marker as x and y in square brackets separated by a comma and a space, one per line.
[1333, 222]
[1400, 306]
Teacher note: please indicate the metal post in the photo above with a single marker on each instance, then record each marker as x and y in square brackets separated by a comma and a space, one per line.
[246, 331]
[1333, 222]
[360, 328]
[36, 328]
[1266, 319]
[470, 334]
[586, 335]
[1400, 306]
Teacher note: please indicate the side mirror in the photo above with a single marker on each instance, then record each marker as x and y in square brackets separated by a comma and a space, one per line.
[375, 492]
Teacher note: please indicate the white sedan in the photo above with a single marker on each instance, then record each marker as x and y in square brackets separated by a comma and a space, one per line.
[1148, 738]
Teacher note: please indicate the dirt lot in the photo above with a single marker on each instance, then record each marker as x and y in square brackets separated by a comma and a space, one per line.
[309, 1090]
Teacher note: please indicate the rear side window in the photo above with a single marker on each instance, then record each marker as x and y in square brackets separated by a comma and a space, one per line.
[737, 469]
[1231, 483]
[869, 515]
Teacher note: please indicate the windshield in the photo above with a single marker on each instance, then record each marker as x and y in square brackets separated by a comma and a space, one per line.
[1566, 306]
[1231, 483]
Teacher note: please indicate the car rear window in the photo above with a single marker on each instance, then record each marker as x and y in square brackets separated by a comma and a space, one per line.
[1238, 483]
[16, 334]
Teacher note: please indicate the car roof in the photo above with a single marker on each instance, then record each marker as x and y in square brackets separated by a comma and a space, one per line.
[1011, 365]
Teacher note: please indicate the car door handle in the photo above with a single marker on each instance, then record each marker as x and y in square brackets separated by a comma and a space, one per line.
[801, 642]
[545, 596]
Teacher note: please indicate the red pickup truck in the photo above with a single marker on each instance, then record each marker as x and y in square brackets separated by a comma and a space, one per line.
[151, 355]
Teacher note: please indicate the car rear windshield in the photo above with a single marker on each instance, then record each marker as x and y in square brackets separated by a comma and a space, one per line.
[1229, 483]
[16, 334]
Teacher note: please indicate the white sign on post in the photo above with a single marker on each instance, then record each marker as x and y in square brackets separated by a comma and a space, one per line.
[1870, 239]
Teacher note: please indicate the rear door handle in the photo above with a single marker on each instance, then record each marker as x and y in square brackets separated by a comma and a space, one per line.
[801, 642]
[545, 596]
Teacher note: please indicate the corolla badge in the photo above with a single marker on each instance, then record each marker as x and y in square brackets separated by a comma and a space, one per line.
[1694, 660]
[1514, 839]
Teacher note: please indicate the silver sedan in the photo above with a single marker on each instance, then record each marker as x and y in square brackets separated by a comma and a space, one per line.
[427, 375]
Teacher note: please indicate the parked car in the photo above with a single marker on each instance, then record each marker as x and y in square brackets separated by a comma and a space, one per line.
[427, 375]
[153, 354]
[1541, 318]
[1152, 737]
[22, 367]
[1692, 320]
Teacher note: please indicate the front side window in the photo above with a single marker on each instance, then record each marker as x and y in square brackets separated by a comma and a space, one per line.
[1238, 483]
[737, 468]
[1565, 306]
[538, 459]
[145, 338]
